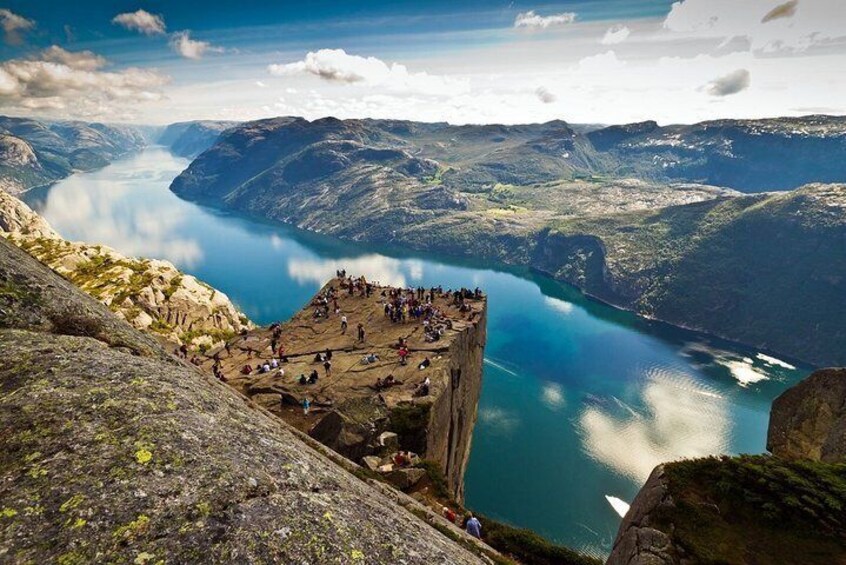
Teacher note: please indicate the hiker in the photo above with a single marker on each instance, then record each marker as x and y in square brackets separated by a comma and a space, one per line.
[343, 324]
[318, 358]
[327, 365]
[403, 355]
[361, 332]
[474, 527]
[306, 405]
[328, 354]
[449, 514]
[312, 378]
[303, 379]
[423, 364]
[246, 370]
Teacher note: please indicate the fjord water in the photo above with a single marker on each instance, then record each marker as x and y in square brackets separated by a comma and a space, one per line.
[579, 402]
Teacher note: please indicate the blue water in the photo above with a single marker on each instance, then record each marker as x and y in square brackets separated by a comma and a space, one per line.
[579, 401]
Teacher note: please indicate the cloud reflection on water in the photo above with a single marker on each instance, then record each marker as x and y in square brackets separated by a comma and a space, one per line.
[376, 268]
[679, 418]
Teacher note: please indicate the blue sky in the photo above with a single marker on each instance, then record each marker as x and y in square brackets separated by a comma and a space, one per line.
[461, 61]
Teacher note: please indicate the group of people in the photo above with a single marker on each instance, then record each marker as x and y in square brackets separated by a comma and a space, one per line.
[470, 523]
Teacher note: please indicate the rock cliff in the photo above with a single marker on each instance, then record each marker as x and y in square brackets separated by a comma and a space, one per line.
[351, 413]
[153, 295]
[114, 451]
[808, 421]
[780, 509]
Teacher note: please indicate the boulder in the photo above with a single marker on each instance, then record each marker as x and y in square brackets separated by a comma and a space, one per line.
[808, 421]
[371, 462]
[405, 477]
[389, 440]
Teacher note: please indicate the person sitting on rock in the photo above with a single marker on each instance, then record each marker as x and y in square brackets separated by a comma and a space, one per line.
[265, 368]
[318, 358]
[401, 459]
[449, 514]
[274, 363]
[246, 370]
[312, 378]
[303, 380]
[423, 388]
[423, 364]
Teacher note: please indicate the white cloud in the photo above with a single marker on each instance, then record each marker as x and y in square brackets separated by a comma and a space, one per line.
[732, 83]
[72, 82]
[769, 28]
[615, 34]
[182, 43]
[260, 84]
[13, 24]
[376, 268]
[141, 21]
[336, 65]
[79, 60]
[532, 20]
[552, 395]
[545, 95]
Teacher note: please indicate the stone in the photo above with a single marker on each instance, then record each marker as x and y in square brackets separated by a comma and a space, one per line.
[808, 421]
[405, 478]
[371, 462]
[389, 440]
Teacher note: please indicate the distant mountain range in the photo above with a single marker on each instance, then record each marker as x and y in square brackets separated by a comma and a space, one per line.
[628, 213]
[34, 152]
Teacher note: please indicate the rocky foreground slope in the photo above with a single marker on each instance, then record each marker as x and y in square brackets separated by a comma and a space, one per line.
[152, 295]
[767, 269]
[350, 414]
[116, 452]
[781, 509]
[34, 152]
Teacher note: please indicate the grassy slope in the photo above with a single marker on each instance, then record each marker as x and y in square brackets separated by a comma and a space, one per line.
[758, 509]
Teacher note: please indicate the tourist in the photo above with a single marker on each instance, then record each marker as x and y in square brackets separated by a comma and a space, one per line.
[361, 332]
[307, 406]
[423, 364]
[312, 378]
[327, 365]
[246, 370]
[474, 527]
[449, 514]
[303, 379]
[343, 324]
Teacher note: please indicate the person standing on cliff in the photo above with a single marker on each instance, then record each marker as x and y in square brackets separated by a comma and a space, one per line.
[306, 405]
[343, 324]
[361, 332]
[474, 527]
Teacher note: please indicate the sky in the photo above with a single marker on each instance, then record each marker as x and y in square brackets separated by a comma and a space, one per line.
[585, 61]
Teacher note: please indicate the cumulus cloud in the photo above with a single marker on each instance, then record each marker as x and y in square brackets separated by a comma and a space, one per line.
[141, 21]
[182, 43]
[13, 25]
[78, 60]
[545, 95]
[73, 81]
[732, 83]
[769, 30]
[532, 20]
[615, 34]
[336, 65]
[786, 10]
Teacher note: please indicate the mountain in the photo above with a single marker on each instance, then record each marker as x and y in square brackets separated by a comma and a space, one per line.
[152, 295]
[189, 139]
[763, 269]
[115, 451]
[34, 152]
[747, 155]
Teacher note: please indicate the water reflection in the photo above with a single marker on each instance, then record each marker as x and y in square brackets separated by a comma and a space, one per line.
[376, 268]
[678, 418]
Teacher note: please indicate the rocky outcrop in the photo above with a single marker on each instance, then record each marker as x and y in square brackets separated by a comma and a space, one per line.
[808, 421]
[153, 295]
[640, 541]
[780, 509]
[350, 414]
[113, 451]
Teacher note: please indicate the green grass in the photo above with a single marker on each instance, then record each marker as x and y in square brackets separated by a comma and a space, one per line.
[782, 512]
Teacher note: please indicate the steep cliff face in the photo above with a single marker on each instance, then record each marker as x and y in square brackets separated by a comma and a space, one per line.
[808, 421]
[189, 139]
[116, 452]
[152, 295]
[350, 413]
[780, 509]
